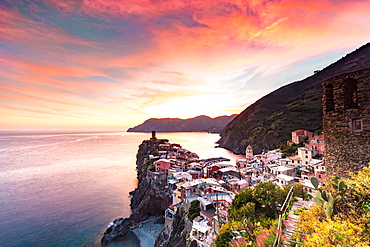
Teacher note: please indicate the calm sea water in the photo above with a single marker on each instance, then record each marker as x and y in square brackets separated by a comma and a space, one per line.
[62, 189]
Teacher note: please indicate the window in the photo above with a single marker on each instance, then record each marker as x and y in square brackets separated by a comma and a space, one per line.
[306, 156]
[350, 93]
[357, 125]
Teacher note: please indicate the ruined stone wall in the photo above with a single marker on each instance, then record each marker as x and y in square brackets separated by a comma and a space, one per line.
[346, 122]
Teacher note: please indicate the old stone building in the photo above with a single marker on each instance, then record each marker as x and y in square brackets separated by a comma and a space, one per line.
[346, 122]
[249, 152]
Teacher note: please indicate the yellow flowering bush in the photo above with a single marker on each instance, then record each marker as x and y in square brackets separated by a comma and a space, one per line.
[335, 233]
[350, 223]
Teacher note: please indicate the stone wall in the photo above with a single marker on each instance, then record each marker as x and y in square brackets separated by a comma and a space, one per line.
[346, 122]
[158, 180]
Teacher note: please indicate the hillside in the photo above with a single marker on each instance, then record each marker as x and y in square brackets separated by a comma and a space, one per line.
[270, 120]
[196, 124]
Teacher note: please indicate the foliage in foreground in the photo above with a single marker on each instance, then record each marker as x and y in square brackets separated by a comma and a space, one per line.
[348, 224]
[253, 216]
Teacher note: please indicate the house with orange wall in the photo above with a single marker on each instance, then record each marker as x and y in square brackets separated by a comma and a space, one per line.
[297, 135]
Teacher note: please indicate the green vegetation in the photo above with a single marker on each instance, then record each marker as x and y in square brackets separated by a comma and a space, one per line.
[288, 150]
[154, 150]
[342, 216]
[193, 244]
[194, 210]
[147, 148]
[151, 168]
[299, 191]
[253, 216]
[270, 120]
[304, 140]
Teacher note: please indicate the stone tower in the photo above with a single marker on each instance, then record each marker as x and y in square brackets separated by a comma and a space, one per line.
[346, 122]
[154, 135]
[249, 152]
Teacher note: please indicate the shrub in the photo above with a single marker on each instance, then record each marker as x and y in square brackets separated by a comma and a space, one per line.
[347, 223]
[194, 210]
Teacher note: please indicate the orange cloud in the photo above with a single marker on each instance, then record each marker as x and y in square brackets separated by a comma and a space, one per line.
[138, 58]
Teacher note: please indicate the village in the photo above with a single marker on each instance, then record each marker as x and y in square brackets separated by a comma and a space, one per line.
[214, 182]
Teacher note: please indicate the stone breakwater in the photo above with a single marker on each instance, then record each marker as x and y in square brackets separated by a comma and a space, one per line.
[148, 199]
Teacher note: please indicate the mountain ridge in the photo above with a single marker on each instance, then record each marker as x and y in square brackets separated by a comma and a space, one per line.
[200, 123]
[269, 121]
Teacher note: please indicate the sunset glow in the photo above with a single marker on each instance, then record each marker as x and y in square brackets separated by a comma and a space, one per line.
[110, 64]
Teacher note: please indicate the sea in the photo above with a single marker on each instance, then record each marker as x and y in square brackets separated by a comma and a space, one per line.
[64, 188]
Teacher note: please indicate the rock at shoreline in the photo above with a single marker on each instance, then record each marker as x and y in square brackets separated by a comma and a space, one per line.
[118, 228]
[148, 199]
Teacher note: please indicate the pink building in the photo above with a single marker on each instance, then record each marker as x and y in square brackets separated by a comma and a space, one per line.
[317, 145]
[162, 165]
[297, 136]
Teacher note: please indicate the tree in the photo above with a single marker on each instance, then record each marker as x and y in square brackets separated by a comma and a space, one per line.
[299, 191]
[247, 211]
[288, 150]
[305, 139]
[269, 197]
[194, 210]
[252, 213]
[244, 196]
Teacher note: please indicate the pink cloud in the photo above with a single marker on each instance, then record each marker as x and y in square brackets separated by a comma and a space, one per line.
[17, 28]
[162, 50]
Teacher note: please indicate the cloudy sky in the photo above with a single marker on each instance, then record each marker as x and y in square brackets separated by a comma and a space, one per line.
[111, 64]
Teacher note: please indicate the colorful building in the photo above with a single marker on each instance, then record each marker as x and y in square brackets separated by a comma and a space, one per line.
[297, 136]
[317, 145]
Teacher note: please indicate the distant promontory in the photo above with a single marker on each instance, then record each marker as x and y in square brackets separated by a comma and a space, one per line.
[197, 124]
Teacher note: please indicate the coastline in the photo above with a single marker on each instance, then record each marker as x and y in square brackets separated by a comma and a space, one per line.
[143, 236]
[147, 234]
[146, 194]
[129, 240]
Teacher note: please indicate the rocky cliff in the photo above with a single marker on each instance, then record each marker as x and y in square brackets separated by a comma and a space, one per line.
[176, 236]
[148, 199]
[196, 124]
[270, 120]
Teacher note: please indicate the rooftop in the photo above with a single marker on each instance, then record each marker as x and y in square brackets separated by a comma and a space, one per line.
[285, 177]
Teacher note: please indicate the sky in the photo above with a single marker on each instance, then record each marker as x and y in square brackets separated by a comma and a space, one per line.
[111, 64]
